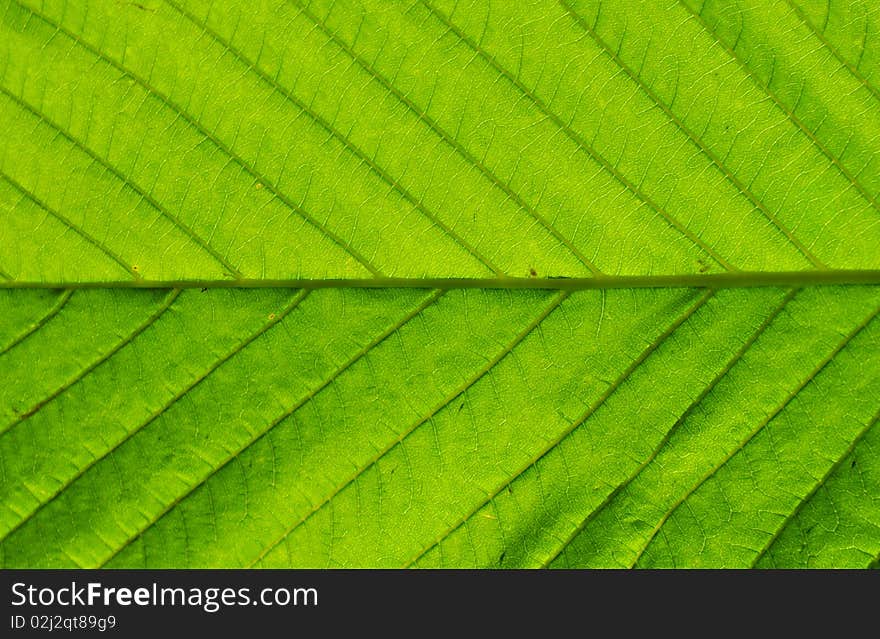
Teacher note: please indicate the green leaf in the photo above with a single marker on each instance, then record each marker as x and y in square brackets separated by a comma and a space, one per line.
[426, 283]
[190, 140]
[347, 427]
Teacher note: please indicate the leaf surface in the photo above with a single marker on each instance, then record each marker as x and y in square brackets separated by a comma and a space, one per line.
[352, 427]
[186, 140]
[439, 283]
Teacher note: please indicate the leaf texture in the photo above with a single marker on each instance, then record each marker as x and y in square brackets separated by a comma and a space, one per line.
[189, 140]
[439, 283]
[350, 427]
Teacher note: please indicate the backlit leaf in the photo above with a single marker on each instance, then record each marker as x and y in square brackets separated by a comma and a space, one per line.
[439, 283]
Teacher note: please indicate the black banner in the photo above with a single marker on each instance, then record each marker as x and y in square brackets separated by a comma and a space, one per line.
[234, 602]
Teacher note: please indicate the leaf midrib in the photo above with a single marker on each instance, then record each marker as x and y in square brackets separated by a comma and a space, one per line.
[737, 279]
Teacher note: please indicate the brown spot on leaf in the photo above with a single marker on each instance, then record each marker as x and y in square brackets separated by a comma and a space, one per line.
[138, 5]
